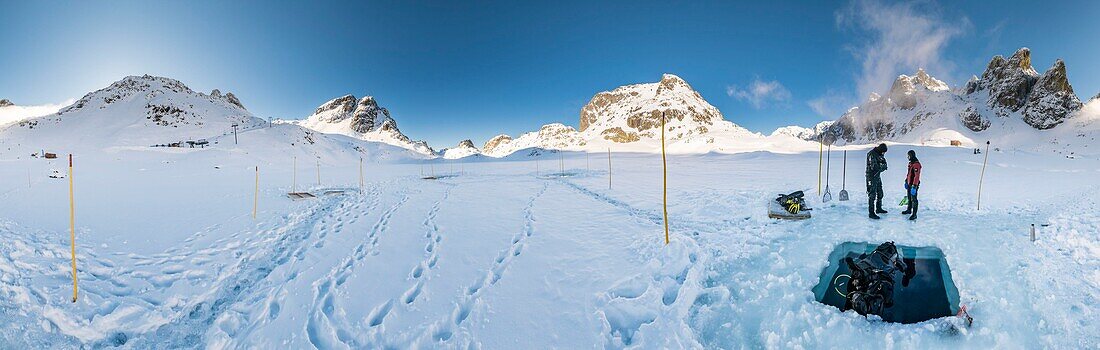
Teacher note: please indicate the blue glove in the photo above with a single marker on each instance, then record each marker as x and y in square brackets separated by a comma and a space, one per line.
[907, 185]
[912, 190]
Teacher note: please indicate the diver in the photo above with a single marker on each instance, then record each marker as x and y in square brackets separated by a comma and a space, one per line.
[873, 276]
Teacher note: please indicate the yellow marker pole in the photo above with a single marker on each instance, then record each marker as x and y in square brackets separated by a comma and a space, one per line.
[72, 224]
[820, 147]
[256, 196]
[664, 169]
[609, 168]
[982, 177]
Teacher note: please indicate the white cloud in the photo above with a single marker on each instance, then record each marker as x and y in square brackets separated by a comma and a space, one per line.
[760, 93]
[14, 114]
[830, 105]
[900, 37]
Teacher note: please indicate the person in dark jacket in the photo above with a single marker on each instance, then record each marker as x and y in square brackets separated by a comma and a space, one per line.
[876, 164]
[912, 182]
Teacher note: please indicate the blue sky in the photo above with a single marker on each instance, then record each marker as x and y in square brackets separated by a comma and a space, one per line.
[455, 70]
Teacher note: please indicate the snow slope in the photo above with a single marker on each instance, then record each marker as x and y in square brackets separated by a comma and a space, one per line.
[503, 256]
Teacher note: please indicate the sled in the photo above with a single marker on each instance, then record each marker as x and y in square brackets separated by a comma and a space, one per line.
[297, 196]
[776, 211]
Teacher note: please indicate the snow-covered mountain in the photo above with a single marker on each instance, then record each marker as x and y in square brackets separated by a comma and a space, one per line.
[464, 149]
[363, 119]
[1011, 103]
[628, 118]
[550, 136]
[139, 112]
[136, 111]
[803, 133]
[6, 103]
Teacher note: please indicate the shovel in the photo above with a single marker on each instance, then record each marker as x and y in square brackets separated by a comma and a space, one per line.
[844, 178]
[827, 196]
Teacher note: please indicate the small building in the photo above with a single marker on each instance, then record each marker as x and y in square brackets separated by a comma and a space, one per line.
[956, 143]
[51, 156]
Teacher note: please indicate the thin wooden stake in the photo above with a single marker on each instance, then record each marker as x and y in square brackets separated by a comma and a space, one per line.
[609, 168]
[294, 176]
[360, 174]
[820, 147]
[982, 177]
[664, 169]
[318, 173]
[72, 225]
[256, 196]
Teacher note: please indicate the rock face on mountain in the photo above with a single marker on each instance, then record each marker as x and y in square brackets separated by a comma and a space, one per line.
[228, 97]
[361, 118]
[5, 103]
[633, 112]
[465, 148]
[1051, 99]
[496, 145]
[1008, 81]
[920, 108]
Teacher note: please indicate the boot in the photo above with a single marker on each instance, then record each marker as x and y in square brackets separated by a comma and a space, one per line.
[914, 216]
[908, 208]
[871, 209]
[878, 207]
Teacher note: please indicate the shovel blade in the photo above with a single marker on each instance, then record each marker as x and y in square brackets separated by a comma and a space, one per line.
[843, 195]
[827, 196]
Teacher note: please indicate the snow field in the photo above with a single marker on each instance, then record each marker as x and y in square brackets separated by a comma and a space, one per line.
[499, 258]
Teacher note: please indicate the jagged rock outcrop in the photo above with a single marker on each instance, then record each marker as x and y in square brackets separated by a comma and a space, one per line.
[1008, 89]
[228, 98]
[1051, 99]
[361, 118]
[5, 103]
[1008, 81]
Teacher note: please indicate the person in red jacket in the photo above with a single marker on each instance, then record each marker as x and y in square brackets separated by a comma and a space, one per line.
[912, 182]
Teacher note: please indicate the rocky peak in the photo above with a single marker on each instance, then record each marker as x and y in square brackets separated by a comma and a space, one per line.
[465, 144]
[906, 90]
[228, 97]
[232, 99]
[1052, 99]
[1021, 59]
[1008, 81]
[5, 103]
[496, 142]
[367, 114]
[633, 112]
[343, 105]
[672, 82]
